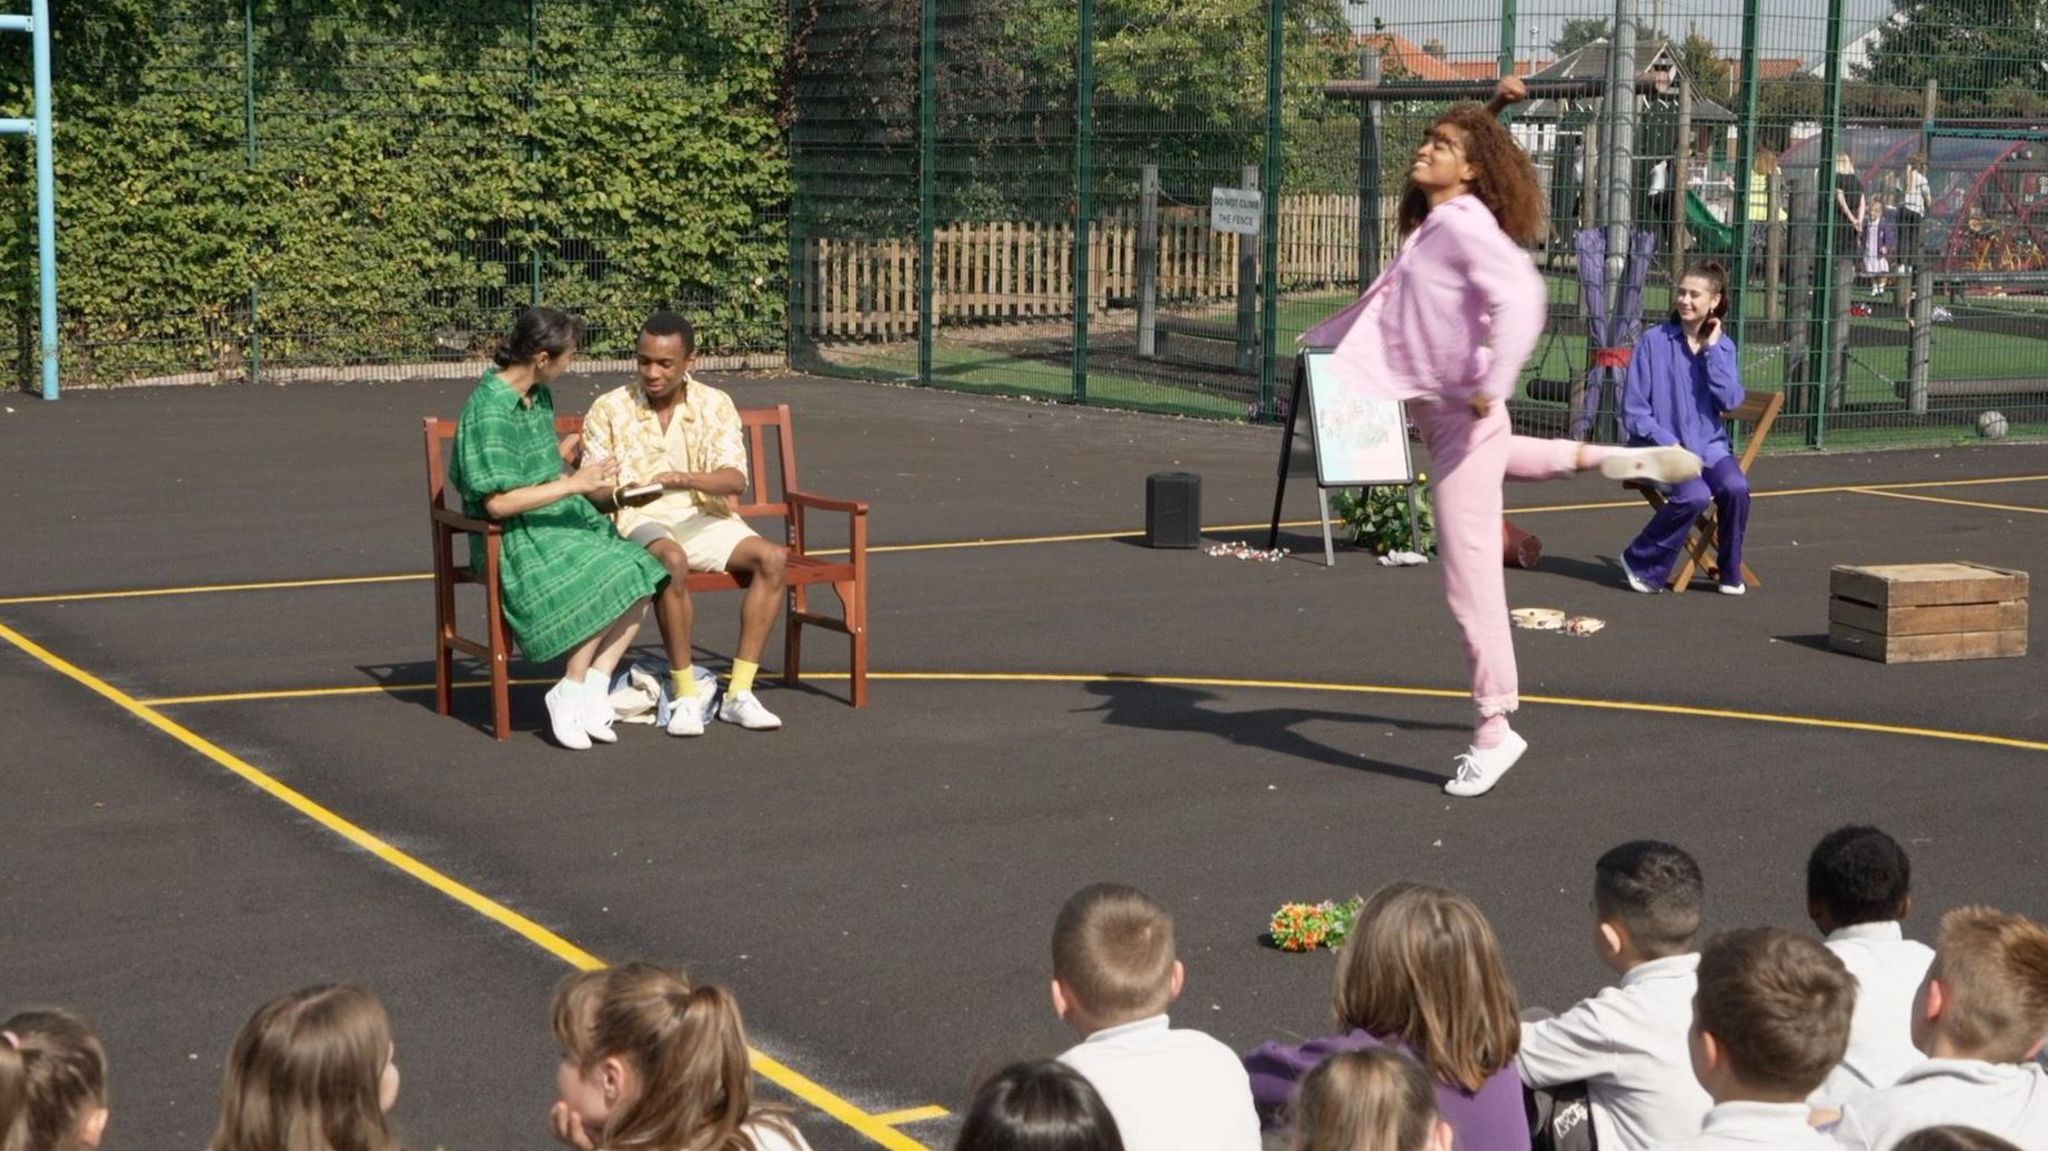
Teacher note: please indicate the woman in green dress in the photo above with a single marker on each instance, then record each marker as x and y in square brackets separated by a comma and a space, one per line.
[571, 584]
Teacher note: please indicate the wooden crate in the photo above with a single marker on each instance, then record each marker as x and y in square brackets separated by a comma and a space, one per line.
[1913, 613]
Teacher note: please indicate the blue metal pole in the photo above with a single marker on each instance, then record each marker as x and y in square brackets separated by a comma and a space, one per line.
[46, 195]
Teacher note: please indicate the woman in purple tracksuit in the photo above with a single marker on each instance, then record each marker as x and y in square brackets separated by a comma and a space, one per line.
[1683, 378]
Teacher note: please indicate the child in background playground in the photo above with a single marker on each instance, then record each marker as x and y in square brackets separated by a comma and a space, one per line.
[1447, 327]
[649, 1061]
[1683, 377]
[53, 1083]
[571, 585]
[319, 1059]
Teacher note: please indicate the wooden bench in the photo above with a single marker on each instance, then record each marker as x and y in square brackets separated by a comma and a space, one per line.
[1757, 412]
[846, 575]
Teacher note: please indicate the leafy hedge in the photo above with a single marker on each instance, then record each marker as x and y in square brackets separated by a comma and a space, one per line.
[420, 165]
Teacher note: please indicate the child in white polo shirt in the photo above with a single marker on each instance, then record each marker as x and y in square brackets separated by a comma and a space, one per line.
[1980, 1019]
[1113, 975]
[1858, 889]
[1770, 1020]
[1627, 1045]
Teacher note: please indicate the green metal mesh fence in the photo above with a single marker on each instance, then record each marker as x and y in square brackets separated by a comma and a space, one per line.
[1130, 202]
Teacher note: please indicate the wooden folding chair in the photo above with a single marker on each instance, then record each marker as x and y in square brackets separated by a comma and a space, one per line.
[1757, 412]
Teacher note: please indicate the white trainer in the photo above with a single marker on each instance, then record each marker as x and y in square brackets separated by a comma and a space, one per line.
[686, 716]
[598, 713]
[565, 716]
[745, 710]
[1734, 589]
[1664, 465]
[1635, 581]
[1480, 768]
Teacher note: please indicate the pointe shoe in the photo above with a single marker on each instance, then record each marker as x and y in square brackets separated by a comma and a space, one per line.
[1662, 465]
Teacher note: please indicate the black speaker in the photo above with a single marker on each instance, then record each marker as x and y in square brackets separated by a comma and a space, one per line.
[1173, 510]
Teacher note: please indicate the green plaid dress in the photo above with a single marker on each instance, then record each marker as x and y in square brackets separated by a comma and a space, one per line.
[567, 574]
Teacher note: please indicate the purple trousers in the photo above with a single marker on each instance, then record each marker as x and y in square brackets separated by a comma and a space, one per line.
[1656, 550]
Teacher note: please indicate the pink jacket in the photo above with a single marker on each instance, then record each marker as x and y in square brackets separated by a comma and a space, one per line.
[1456, 313]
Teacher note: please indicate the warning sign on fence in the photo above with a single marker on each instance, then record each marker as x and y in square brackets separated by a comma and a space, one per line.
[1234, 210]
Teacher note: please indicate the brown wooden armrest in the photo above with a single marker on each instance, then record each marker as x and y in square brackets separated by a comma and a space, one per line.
[450, 518]
[826, 504]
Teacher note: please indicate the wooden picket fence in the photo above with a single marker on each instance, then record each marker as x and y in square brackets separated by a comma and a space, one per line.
[994, 272]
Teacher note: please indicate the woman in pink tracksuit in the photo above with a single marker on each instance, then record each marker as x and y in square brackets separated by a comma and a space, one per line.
[1447, 328]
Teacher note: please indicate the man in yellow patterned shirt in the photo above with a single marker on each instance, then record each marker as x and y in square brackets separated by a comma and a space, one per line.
[672, 430]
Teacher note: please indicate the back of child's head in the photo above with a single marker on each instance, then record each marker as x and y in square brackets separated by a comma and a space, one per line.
[1993, 968]
[687, 1045]
[1504, 178]
[1655, 891]
[1778, 1004]
[53, 1081]
[1041, 1106]
[307, 1074]
[1376, 1099]
[1422, 967]
[1112, 950]
[1953, 1138]
[1859, 875]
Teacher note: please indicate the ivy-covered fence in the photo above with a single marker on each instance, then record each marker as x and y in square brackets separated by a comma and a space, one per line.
[282, 186]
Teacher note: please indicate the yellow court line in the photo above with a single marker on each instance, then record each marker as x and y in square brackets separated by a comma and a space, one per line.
[203, 589]
[912, 1115]
[771, 1069]
[1952, 503]
[1821, 722]
[1014, 541]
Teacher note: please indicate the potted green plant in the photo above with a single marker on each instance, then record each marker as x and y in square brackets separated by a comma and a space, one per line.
[1379, 521]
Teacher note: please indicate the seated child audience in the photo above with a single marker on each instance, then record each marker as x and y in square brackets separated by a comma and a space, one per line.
[1628, 1043]
[650, 1062]
[1980, 1018]
[53, 1083]
[1953, 1139]
[1372, 1099]
[319, 1059]
[1421, 971]
[1770, 1020]
[1041, 1106]
[1113, 975]
[1857, 892]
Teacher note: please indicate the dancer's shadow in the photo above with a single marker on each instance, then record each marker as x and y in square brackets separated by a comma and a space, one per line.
[1169, 707]
[1604, 572]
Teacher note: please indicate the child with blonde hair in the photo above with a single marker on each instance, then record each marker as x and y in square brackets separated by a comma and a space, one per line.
[1369, 1100]
[314, 1070]
[650, 1063]
[1980, 1018]
[1421, 972]
[53, 1083]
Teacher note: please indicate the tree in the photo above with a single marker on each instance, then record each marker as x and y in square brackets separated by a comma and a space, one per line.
[1579, 33]
[1981, 59]
[1701, 59]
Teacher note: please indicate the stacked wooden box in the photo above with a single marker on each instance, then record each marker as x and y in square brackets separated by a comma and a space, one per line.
[1912, 613]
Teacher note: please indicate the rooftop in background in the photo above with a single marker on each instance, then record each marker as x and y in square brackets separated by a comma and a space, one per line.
[1403, 58]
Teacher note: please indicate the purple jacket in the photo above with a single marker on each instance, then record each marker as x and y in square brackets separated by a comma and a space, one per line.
[1455, 315]
[1674, 397]
[1491, 1119]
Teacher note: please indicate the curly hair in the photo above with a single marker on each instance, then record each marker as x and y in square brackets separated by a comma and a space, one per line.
[1505, 181]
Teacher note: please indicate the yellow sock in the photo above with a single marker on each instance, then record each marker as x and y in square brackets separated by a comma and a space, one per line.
[682, 682]
[743, 672]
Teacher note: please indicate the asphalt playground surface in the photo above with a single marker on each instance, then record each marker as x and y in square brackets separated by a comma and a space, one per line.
[218, 794]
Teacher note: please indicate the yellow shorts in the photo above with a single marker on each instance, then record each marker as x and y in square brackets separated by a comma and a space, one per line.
[708, 541]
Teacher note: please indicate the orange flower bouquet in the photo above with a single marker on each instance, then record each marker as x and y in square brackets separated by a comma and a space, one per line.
[1308, 926]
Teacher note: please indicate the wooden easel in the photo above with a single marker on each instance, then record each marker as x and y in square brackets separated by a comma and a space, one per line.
[1298, 398]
